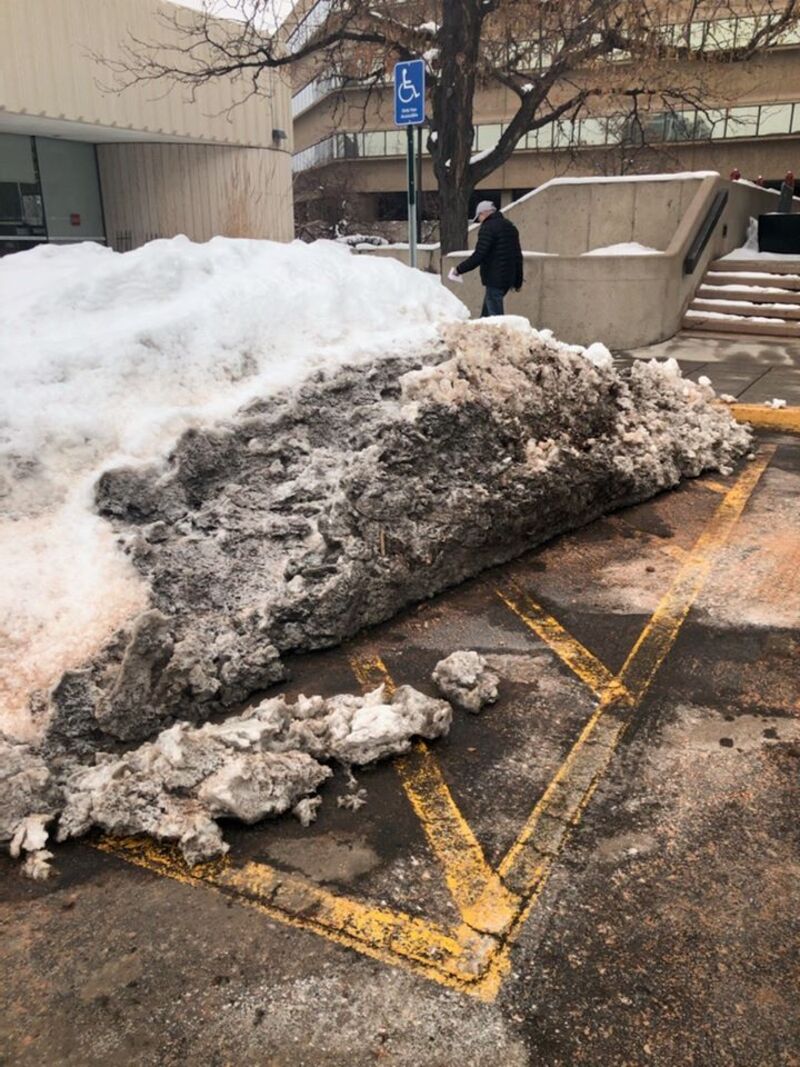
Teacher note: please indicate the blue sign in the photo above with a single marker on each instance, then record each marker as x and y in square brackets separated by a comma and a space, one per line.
[409, 93]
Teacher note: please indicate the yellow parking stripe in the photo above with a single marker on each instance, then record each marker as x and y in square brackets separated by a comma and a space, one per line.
[483, 902]
[562, 803]
[568, 649]
[493, 906]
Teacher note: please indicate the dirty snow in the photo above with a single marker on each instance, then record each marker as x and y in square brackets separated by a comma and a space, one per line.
[465, 680]
[107, 358]
[269, 760]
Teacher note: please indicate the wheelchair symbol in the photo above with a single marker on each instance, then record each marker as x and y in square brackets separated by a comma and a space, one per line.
[406, 90]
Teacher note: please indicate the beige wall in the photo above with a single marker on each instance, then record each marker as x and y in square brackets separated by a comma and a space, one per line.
[159, 190]
[46, 72]
[623, 301]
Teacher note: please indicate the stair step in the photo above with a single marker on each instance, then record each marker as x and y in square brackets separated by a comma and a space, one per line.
[752, 293]
[719, 323]
[763, 279]
[746, 309]
[789, 265]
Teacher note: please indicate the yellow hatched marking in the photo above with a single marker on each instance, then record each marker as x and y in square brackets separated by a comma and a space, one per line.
[475, 957]
[385, 934]
[570, 789]
[568, 649]
[483, 902]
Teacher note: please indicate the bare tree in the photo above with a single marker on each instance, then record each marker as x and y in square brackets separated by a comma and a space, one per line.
[559, 59]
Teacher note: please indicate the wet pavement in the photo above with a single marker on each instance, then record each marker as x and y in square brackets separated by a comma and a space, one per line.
[602, 868]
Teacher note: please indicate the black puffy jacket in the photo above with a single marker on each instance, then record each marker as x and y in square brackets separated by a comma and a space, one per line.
[497, 253]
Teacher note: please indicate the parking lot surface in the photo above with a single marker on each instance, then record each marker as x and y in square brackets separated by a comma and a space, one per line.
[601, 868]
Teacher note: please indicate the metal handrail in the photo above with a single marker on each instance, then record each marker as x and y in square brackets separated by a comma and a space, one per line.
[703, 235]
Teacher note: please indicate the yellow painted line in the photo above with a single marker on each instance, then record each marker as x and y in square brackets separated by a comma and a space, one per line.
[764, 418]
[568, 649]
[384, 934]
[473, 958]
[562, 803]
[657, 638]
[483, 902]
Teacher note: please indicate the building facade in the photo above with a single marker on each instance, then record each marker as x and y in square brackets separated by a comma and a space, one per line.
[80, 160]
[345, 138]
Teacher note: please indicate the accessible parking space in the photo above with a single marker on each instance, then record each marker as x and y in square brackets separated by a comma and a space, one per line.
[601, 868]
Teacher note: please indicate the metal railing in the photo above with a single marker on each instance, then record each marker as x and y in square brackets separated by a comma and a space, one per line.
[703, 235]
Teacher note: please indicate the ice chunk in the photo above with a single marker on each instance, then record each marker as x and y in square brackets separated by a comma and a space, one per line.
[465, 680]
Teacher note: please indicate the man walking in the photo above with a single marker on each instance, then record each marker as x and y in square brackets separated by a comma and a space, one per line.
[499, 256]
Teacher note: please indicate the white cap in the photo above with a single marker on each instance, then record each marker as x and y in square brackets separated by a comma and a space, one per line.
[484, 206]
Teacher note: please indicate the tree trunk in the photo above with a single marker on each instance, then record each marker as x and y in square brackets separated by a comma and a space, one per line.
[452, 102]
[453, 215]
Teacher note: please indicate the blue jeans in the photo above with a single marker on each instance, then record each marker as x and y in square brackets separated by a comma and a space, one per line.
[493, 302]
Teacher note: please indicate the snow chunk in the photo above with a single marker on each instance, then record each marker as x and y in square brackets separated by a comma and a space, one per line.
[261, 763]
[465, 680]
[776, 403]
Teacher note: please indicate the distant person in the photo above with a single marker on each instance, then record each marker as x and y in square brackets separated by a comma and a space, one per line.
[499, 256]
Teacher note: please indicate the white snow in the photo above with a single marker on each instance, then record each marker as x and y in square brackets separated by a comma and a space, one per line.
[776, 403]
[108, 357]
[626, 248]
[701, 315]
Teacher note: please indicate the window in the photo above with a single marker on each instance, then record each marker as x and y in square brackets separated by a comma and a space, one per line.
[592, 131]
[775, 118]
[721, 35]
[679, 125]
[710, 124]
[374, 143]
[742, 122]
[487, 136]
[396, 142]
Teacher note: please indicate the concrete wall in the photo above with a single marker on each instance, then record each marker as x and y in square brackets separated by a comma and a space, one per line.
[625, 301]
[159, 190]
[47, 71]
[567, 219]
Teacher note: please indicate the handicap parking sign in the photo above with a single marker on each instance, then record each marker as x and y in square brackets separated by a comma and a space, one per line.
[409, 93]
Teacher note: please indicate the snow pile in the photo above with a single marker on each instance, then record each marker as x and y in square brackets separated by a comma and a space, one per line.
[107, 358]
[298, 522]
[465, 680]
[627, 248]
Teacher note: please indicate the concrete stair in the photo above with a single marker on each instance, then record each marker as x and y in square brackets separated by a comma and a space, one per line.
[743, 296]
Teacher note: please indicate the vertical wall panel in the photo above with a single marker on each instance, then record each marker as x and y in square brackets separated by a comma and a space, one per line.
[199, 190]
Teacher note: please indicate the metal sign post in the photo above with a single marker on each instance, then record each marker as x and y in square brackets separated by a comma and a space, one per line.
[409, 111]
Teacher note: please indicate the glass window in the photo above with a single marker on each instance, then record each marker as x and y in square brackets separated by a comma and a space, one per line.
[563, 134]
[540, 139]
[697, 34]
[710, 124]
[592, 131]
[742, 122]
[721, 35]
[21, 205]
[374, 143]
[775, 118]
[396, 142]
[746, 28]
[679, 125]
[488, 136]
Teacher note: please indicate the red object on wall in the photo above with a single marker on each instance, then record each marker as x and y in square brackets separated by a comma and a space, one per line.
[74, 219]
